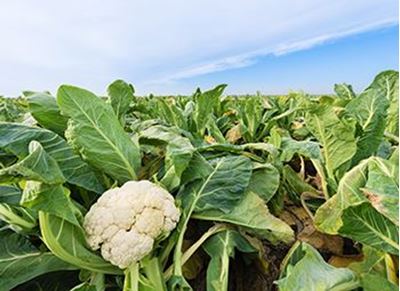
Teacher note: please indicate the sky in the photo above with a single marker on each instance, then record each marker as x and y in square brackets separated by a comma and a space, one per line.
[175, 46]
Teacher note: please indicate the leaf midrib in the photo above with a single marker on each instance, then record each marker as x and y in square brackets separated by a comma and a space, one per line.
[377, 233]
[129, 167]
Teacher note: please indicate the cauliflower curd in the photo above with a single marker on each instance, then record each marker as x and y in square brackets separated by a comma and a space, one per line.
[126, 221]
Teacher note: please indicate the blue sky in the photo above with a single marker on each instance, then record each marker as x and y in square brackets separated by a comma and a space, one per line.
[354, 60]
[174, 46]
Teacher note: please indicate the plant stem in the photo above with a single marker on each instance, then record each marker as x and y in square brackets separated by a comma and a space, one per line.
[13, 218]
[131, 282]
[392, 137]
[193, 248]
[321, 173]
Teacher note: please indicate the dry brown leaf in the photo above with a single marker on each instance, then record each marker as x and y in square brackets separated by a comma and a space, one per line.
[234, 134]
[344, 261]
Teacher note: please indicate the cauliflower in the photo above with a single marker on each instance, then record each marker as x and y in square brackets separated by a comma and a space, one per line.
[126, 221]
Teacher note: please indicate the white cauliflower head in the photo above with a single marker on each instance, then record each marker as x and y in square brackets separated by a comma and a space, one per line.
[125, 221]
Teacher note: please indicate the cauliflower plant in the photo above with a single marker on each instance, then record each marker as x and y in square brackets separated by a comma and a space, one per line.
[126, 221]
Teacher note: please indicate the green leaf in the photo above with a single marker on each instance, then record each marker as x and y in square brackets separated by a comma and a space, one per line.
[375, 266]
[253, 216]
[365, 207]
[205, 103]
[10, 194]
[120, 96]
[328, 216]
[38, 166]
[21, 261]
[366, 225]
[220, 248]
[222, 189]
[14, 138]
[250, 118]
[294, 185]
[335, 135]
[214, 131]
[369, 109]
[67, 242]
[18, 218]
[172, 114]
[373, 282]
[344, 91]
[53, 199]
[264, 181]
[44, 109]
[308, 149]
[178, 154]
[96, 132]
[198, 168]
[388, 83]
[311, 272]
[382, 188]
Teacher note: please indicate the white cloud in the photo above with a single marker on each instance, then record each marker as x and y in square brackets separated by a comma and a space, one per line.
[90, 43]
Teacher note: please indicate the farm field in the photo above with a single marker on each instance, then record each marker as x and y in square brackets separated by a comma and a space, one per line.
[291, 192]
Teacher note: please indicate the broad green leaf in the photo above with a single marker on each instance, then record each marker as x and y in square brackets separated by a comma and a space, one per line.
[205, 103]
[14, 138]
[374, 265]
[369, 109]
[367, 192]
[335, 135]
[240, 149]
[250, 118]
[198, 168]
[328, 216]
[308, 149]
[388, 83]
[53, 199]
[312, 273]
[67, 242]
[10, 194]
[178, 154]
[382, 188]
[38, 166]
[344, 91]
[44, 109]
[21, 261]
[252, 215]
[95, 131]
[221, 247]
[222, 189]
[120, 96]
[373, 282]
[292, 257]
[171, 113]
[364, 224]
[264, 181]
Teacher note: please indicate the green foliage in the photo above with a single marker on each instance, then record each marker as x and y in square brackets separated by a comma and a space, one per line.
[95, 132]
[309, 271]
[238, 167]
